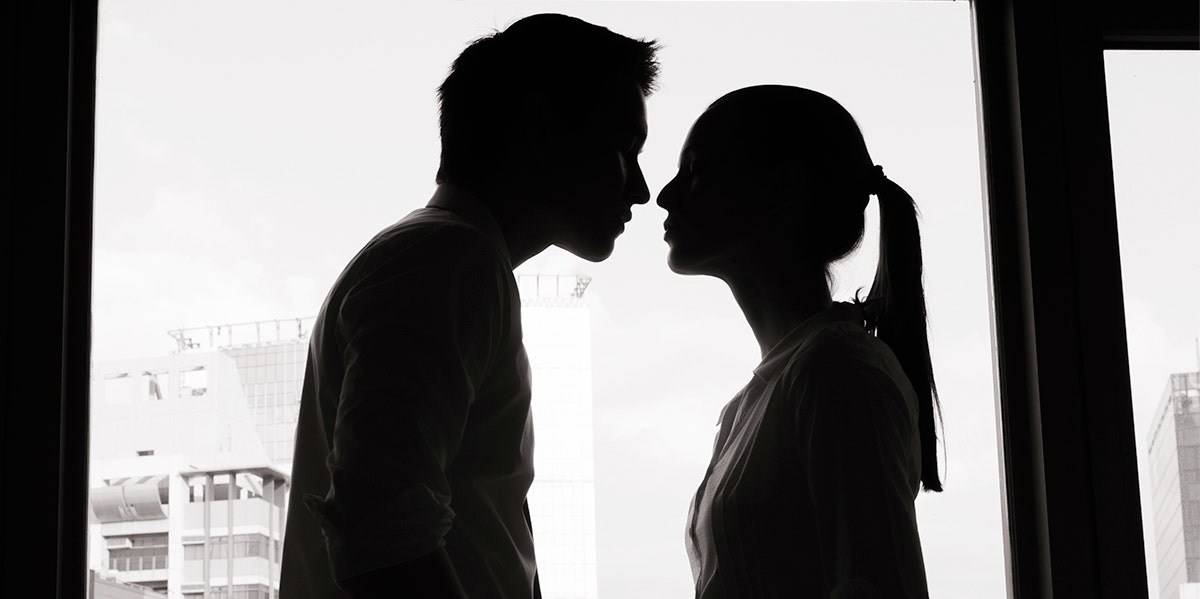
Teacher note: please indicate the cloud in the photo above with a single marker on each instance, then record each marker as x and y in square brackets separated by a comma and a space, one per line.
[139, 296]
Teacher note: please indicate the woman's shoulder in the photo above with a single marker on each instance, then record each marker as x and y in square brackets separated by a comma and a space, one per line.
[843, 358]
[844, 343]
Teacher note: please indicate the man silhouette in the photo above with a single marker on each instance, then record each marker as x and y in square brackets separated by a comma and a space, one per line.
[414, 443]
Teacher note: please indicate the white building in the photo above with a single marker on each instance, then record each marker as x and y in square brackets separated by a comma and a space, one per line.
[180, 481]
[270, 357]
[165, 429]
[562, 501]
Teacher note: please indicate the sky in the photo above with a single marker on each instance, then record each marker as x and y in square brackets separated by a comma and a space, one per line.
[246, 151]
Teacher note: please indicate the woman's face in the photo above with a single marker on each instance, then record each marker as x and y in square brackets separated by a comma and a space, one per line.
[715, 220]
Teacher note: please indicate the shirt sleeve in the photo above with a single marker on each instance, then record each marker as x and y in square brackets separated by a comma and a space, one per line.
[418, 335]
[857, 434]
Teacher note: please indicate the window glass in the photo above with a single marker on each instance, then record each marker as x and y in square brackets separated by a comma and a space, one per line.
[246, 151]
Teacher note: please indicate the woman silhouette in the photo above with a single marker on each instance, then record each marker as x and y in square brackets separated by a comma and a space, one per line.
[819, 458]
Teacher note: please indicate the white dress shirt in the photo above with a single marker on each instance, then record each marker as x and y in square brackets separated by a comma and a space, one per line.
[415, 430]
[816, 466]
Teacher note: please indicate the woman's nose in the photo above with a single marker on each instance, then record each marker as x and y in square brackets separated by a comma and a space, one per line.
[667, 193]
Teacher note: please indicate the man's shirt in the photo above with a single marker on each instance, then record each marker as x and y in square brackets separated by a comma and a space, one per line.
[415, 429]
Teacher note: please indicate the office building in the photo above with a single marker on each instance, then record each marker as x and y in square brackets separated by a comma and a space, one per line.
[562, 501]
[100, 587]
[184, 500]
[1174, 467]
[270, 357]
[226, 402]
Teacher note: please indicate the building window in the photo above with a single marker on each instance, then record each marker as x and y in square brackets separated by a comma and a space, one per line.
[248, 545]
[137, 552]
[240, 591]
[193, 383]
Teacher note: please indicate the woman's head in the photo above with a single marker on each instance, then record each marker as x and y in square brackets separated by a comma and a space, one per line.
[768, 171]
[773, 180]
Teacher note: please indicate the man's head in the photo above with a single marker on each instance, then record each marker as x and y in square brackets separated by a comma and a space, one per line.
[550, 113]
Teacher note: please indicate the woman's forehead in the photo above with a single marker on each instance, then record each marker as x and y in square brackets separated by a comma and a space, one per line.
[715, 133]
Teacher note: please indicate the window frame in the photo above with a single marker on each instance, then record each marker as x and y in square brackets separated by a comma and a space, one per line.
[1069, 465]
[1069, 459]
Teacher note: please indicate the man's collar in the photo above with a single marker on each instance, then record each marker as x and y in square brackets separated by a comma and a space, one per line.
[460, 201]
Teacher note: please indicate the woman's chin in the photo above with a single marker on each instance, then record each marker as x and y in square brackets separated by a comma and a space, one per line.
[682, 265]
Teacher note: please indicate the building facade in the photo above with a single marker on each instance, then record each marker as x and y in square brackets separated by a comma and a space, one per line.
[1174, 465]
[270, 357]
[557, 325]
[100, 587]
[217, 419]
[184, 501]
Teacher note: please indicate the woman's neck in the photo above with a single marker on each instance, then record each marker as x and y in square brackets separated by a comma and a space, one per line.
[776, 299]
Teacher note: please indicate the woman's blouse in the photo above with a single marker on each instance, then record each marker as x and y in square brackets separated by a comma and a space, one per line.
[814, 473]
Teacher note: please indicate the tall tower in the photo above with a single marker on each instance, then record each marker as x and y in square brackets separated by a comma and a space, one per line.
[1175, 480]
[562, 501]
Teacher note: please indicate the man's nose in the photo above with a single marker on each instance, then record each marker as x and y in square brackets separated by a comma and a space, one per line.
[639, 192]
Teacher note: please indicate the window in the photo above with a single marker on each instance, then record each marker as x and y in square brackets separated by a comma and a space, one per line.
[1152, 97]
[193, 382]
[137, 552]
[651, 427]
[1023, 47]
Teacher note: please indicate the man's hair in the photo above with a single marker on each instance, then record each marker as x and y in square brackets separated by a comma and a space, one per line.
[568, 64]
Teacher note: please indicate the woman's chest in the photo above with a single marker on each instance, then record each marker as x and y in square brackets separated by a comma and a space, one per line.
[756, 462]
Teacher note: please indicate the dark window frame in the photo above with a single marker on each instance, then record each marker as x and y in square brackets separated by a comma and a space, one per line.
[1069, 458]
[1069, 465]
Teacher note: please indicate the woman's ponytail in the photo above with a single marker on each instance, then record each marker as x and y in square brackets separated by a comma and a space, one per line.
[899, 317]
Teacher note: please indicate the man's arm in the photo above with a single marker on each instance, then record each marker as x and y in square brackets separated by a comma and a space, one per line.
[418, 334]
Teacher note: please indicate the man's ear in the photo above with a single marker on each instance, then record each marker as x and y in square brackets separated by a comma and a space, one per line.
[533, 130]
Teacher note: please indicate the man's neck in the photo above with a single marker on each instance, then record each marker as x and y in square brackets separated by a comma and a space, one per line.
[523, 226]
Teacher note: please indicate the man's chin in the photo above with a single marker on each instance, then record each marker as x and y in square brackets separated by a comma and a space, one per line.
[592, 252]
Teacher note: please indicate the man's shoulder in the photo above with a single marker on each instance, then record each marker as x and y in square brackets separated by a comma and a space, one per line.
[430, 226]
[423, 252]
[431, 236]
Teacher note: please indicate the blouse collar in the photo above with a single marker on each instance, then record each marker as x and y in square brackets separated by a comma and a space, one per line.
[778, 356]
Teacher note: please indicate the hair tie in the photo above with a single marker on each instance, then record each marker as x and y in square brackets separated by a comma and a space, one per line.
[875, 179]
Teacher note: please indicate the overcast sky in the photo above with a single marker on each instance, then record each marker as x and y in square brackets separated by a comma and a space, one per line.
[246, 150]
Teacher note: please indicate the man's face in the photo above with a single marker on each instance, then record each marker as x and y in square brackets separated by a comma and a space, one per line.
[595, 177]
